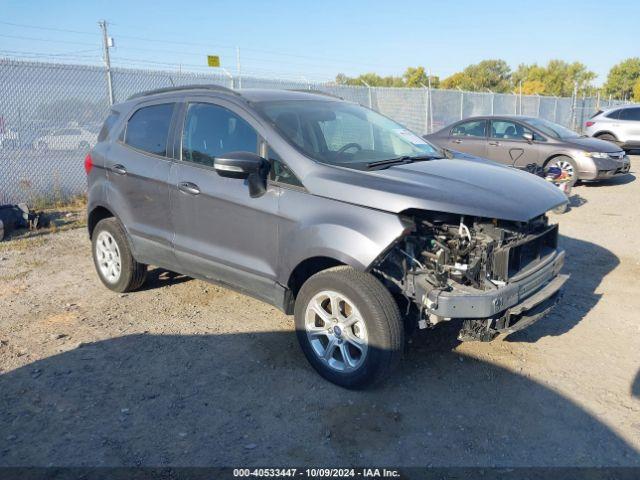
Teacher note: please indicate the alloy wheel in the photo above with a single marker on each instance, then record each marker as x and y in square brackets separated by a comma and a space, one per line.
[336, 331]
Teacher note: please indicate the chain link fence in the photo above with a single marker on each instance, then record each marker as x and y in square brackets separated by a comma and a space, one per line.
[50, 115]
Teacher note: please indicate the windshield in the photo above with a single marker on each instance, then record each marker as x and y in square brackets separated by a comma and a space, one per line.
[552, 129]
[342, 133]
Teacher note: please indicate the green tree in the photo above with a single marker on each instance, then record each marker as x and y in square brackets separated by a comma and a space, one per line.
[622, 78]
[636, 91]
[372, 79]
[412, 77]
[417, 77]
[494, 75]
[558, 78]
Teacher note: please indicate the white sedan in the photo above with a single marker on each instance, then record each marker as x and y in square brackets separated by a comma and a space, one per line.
[66, 139]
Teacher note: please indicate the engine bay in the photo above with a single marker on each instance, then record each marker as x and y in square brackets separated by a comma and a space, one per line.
[447, 252]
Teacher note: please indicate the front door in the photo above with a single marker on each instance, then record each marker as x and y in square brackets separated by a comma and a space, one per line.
[221, 233]
[469, 137]
[508, 146]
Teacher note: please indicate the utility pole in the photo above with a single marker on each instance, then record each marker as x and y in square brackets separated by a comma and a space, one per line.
[239, 73]
[107, 42]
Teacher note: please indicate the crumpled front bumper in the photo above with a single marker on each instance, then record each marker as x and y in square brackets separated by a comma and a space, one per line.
[602, 168]
[523, 293]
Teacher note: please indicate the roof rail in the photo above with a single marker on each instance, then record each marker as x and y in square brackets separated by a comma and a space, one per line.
[317, 92]
[214, 87]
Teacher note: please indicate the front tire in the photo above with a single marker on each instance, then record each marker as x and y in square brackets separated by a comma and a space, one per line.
[112, 257]
[567, 165]
[349, 327]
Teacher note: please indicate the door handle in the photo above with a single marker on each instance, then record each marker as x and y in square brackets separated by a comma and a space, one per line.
[119, 169]
[495, 144]
[457, 140]
[188, 187]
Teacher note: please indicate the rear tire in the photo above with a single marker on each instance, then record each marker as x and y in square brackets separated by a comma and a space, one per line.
[566, 164]
[112, 257]
[349, 327]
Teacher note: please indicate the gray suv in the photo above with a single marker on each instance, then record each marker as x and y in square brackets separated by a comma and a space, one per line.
[326, 209]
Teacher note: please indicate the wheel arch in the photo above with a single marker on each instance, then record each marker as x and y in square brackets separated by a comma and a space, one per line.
[309, 267]
[605, 132]
[556, 155]
[98, 213]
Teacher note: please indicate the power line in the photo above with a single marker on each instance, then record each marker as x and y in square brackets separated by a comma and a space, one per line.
[53, 29]
[47, 40]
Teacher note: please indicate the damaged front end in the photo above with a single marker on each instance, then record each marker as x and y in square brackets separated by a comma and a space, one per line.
[495, 276]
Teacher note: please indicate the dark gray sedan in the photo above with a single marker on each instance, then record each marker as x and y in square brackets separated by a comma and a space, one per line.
[520, 141]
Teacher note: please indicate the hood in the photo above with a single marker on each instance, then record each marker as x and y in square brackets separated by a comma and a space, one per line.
[461, 186]
[592, 144]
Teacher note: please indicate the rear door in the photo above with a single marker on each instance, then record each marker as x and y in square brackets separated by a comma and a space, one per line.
[220, 231]
[469, 137]
[138, 168]
[630, 125]
[506, 144]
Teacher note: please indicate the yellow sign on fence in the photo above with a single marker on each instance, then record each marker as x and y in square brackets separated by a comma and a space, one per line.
[213, 60]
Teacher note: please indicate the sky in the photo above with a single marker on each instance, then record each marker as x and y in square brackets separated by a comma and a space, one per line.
[319, 39]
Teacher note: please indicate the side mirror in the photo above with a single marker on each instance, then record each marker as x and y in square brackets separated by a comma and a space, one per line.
[243, 165]
[528, 136]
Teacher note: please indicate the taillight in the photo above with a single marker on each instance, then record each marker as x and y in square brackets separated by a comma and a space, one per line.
[88, 163]
[588, 124]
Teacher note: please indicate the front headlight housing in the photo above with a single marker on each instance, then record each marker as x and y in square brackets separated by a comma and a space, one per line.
[597, 154]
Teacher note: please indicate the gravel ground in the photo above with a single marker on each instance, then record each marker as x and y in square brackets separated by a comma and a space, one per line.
[185, 373]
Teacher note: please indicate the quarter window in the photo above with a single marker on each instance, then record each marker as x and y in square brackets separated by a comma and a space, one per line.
[148, 128]
[108, 125]
[615, 114]
[280, 172]
[475, 128]
[211, 131]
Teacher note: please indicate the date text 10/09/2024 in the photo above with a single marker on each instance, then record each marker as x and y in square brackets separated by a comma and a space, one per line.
[317, 472]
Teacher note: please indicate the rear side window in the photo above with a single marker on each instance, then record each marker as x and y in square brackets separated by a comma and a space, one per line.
[474, 128]
[615, 114]
[630, 114]
[211, 131]
[108, 125]
[148, 128]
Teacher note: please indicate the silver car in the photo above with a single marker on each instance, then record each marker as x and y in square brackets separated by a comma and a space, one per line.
[335, 214]
[620, 125]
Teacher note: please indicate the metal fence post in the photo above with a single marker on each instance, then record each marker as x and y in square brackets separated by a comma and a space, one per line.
[369, 91]
[555, 110]
[461, 103]
[426, 107]
[228, 74]
[574, 106]
[492, 99]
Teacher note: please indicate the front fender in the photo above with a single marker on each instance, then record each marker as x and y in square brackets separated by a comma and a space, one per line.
[319, 227]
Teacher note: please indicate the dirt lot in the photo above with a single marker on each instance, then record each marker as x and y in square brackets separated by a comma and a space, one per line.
[186, 373]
